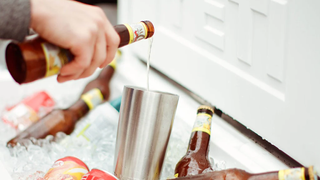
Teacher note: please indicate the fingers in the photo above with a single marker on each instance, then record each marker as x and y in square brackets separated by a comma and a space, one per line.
[94, 49]
[72, 70]
[113, 40]
[85, 49]
[99, 56]
[62, 79]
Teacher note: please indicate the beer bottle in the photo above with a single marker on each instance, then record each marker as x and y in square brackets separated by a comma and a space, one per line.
[36, 58]
[64, 120]
[195, 161]
[300, 173]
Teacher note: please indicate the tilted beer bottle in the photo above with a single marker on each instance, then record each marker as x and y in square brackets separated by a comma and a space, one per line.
[195, 161]
[36, 58]
[64, 120]
[300, 173]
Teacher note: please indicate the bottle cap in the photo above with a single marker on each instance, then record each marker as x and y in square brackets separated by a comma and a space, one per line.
[206, 107]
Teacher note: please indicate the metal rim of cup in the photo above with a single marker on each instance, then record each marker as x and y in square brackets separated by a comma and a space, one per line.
[151, 91]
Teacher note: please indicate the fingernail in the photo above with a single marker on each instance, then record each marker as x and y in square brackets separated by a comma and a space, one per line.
[62, 73]
[59, 79]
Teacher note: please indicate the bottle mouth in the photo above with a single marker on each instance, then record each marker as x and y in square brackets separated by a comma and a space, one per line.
[206, 107]
[15, 63]
[150, 28]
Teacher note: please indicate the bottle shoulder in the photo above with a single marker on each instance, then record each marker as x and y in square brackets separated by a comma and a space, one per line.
[194, 159]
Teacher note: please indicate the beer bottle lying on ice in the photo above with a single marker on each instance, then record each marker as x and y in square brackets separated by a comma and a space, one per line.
[64, 120]
[299, 173]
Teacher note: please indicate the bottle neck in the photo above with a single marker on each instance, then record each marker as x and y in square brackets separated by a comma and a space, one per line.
[79, 109]
[103, 79]
[106, 73]
[199, 143]
[200, 137]
[265, 176]
[130, 33]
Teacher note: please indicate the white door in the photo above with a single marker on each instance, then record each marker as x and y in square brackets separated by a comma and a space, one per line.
[257, 60]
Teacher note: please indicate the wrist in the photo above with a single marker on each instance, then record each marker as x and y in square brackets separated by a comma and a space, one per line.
[35, 12]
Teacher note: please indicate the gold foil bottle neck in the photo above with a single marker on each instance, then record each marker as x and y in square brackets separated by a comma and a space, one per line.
[206, 107]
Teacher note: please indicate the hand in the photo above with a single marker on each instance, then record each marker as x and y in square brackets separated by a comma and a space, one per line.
[83, 29]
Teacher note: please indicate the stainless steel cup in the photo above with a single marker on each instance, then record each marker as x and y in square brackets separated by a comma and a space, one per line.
[144, 128]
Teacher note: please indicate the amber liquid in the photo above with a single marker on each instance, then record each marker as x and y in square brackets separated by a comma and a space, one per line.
[196, 160]
[197, 154]
[148, 62]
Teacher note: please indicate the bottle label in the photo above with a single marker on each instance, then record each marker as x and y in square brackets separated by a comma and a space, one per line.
[95, 122]
[92, 98]
[137, 31]
[292, 174]
[55, 58]
[203, 123]
[91, 129]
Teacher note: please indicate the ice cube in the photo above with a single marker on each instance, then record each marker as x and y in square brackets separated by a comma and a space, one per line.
[60, 136]
[219, 165]
[50, 138]
[211, 161]
[36, 154]
[20, 152]
[25, 142]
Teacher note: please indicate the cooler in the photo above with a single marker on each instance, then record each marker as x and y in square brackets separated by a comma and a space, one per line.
[257, 62]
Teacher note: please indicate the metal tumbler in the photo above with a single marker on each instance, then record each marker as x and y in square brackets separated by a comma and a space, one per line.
[144, 127]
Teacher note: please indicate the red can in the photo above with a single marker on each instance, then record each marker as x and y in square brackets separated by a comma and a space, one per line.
[97, 174]
[67, 168]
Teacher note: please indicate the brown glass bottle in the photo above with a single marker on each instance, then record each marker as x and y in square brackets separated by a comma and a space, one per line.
[300, 173]
[36, 58]
[196, 160]
[64, 120]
